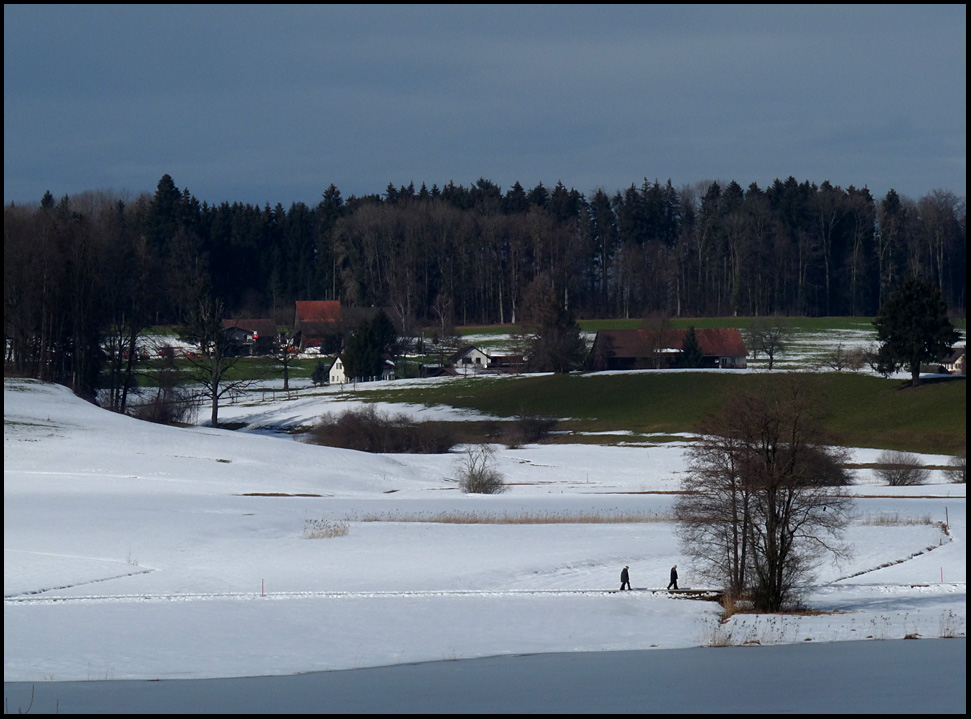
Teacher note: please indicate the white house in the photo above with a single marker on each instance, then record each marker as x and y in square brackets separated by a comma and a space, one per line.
[470, 360]
[955, 363]
[338, 374]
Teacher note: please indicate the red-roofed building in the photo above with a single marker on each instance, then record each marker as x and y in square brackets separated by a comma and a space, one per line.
[647, 349]
[323, 311]
[324, 323]
[318, 324]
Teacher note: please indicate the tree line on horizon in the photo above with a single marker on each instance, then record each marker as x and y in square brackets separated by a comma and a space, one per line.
[92, 269]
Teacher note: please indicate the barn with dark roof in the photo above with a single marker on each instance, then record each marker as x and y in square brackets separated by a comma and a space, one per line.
[660, 349]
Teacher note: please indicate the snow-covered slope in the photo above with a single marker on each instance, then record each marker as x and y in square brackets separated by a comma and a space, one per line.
[133, 550]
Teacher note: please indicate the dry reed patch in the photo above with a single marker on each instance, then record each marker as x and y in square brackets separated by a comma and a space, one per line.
[733, 604]
[325, 529]
[518, 518]
[896, 520]
[768, 627]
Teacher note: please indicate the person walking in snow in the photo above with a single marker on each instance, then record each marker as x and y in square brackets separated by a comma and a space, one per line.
[624, 579]
[673, 584]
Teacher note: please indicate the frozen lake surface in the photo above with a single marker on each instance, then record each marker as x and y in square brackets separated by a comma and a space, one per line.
[900, 676]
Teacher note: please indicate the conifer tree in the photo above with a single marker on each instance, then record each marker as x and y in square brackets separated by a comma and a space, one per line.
[690, 350]
[913, 328]
[553, 343]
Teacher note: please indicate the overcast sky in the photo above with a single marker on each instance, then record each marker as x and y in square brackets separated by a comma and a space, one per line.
[274, 103]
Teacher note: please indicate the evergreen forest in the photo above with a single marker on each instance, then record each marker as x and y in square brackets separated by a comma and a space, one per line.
[83, 269]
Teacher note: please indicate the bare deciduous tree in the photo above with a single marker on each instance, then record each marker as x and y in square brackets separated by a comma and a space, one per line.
[285, 352]
[768, 336]
[760, 507]
[212, 365]
[657, 332]
[713, 513]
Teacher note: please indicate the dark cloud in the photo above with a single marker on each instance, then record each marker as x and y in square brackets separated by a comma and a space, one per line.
[274, 103]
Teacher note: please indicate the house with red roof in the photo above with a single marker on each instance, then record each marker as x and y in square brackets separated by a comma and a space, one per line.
[324, 323]
[318, 323]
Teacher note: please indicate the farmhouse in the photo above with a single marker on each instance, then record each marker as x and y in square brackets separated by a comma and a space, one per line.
[472, 360]
[650, 349]
[250, 337]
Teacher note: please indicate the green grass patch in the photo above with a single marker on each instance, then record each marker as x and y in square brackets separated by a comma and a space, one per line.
[887, 414]
[865, 411]
[798, 324]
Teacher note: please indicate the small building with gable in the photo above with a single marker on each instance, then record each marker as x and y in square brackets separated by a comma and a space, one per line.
[250, 336]
[338, 371]
[472, 360]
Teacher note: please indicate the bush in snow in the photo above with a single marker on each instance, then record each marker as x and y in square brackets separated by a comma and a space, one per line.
[527, 430]
[167, 405]
[957, 472]
[367, 430]
[900, 469]
[477, 473]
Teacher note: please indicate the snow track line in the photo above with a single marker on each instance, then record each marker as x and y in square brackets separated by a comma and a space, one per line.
[893, 562]
[277, 596]
[31, 594]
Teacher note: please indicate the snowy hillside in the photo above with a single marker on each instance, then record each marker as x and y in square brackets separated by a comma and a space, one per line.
[134, 550]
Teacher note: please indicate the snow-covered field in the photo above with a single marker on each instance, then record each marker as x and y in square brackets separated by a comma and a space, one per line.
[133, 550]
